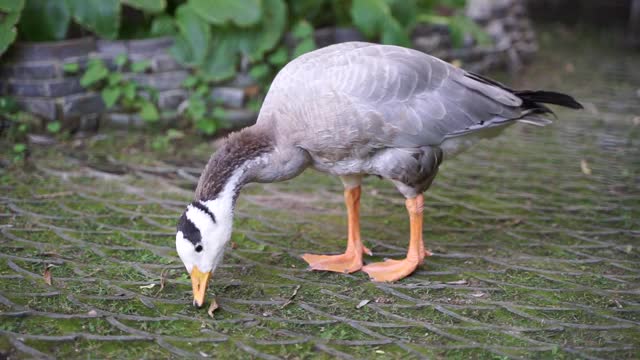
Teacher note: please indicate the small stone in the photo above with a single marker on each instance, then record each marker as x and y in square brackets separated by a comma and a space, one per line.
[92, 313]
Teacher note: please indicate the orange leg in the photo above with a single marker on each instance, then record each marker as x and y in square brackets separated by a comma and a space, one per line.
[351, 260]
[392, 270]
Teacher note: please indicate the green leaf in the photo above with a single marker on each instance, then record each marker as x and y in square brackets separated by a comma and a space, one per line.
[219, 113]
[149, 112]
[369, 15]
[19, 148]
[197, 107]
[100, 16]
[110, 95]
[173, 134]
[8, 105]
[71, 68]
[150, 6]
[96, 71]
[280, 57]
[181, 51]
[190, 81]
[195, 32]
[54, 127]
[130, 90]
[9, 6]
[240, 12]
[220, 63]
[163, 26]
[404, 11]
[120, 60]
[304, 46]
[302, 30]
[393, 33]
[114, 79]
[207, 126]
[202, 90]
[259, 71]
[8, 32]
[44, 20]
[140, 66]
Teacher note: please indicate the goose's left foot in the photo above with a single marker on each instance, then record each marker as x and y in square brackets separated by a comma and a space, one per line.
[393, 270]
[351, 260]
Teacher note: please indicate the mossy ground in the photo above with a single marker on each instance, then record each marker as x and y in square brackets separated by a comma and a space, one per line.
[533, 257]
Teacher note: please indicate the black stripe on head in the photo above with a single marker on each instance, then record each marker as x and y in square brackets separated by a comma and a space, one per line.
[189, 230]
[203, 207]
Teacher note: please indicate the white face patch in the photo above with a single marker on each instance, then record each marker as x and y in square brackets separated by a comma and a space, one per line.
[207, 224]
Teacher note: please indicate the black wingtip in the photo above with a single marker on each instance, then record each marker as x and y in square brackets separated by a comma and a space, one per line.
[549, 97]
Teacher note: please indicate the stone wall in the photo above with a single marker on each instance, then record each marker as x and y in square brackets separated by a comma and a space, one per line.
[505, 21]
[33, 75]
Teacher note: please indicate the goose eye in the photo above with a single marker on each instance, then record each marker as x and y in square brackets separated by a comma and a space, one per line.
[198, 248]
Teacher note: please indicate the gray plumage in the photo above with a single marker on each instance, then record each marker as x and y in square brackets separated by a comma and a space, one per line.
[360, 108]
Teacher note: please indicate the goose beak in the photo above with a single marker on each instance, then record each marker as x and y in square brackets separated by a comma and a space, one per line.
[199, 282]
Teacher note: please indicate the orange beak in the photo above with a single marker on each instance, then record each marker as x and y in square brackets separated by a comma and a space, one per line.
[199, 282]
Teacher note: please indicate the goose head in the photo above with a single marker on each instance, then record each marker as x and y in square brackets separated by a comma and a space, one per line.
[203, 231]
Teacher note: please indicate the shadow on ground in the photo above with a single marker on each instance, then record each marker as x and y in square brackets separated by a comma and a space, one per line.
[535, 239]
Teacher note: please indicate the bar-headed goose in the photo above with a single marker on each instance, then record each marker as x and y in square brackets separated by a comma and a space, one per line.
[351, 110]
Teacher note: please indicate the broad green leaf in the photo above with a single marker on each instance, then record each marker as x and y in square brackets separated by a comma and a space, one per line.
[207, 126]
[54, 127]
[71, 68]
[120, 60]
[306, 9]
[140, 66]
[404, 11]
[259, 71]
[304, 47]
[369, 15]
[196, 33]
[100, 16]
[197, 107]
[44, 20]
[8, 32]
[302, 30]
[220, 63]
[393, 33]
[279, 57]
[114, 78]
[8, 105]
[271, 28]
[163, 25]
[130, 90]
[149, 112]
[8, 35]
[181, 51]
[190, 81]
[150, 6]
[96, 71]
[219, 113]
[110, 95]
[19, 148]
[240, 12]
[11, 5]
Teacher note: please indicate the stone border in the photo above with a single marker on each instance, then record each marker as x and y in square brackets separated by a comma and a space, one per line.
[32, 73]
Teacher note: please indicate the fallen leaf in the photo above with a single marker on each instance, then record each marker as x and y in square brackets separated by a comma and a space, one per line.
[92, 313]
[47, 274]
[457, 63]
[234, 245]
[478, 294]
[584, 166]
[213, 307]
[383, 300]
[458, 282]
[204, 354]
[150, 286]
[379, 352]
[362, 304]
[628, 249]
